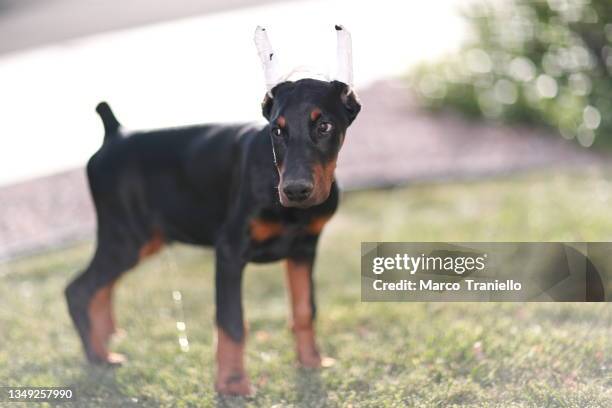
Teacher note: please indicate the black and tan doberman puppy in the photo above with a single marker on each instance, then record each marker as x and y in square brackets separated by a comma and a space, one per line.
[254, 194]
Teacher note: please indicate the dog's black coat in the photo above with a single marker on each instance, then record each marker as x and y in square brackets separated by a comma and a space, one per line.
[205, 185]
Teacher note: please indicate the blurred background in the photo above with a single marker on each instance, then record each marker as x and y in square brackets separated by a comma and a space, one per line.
[482, 120]
[162, 63]
[514, 85]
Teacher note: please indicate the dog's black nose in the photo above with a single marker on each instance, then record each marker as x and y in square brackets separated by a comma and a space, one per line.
[298, 190]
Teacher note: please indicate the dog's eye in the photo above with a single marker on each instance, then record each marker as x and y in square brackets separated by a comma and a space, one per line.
[277, 132]
[325, 127]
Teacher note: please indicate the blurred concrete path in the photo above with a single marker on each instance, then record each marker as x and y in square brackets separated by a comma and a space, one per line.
[391, 143]
[31, 23]
[178, 71]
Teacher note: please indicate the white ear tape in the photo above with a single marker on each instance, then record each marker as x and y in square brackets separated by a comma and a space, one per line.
[268, 58]
[344, 65]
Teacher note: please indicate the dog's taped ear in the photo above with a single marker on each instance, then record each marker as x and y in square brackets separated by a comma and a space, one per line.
[349, 99]
[268, 103]
[266, 106]
[344, 73]
[351, 103]
[267, 57]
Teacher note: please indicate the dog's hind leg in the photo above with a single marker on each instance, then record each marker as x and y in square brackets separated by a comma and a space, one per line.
[89, 299]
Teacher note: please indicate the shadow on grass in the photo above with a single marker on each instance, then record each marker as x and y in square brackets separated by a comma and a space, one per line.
[98, 386]
[223, 401]
[309, 387]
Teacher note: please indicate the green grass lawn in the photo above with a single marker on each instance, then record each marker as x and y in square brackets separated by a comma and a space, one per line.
[387, 354]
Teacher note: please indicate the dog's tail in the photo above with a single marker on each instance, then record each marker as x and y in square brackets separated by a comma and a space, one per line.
[110, 122]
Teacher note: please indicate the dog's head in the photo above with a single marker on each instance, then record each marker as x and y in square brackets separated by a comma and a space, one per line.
[308, 120]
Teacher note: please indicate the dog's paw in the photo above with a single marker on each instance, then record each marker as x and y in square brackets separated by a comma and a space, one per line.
[238, 384]
[310, 359]
[110, 359]
[313, 360]
[115, 359]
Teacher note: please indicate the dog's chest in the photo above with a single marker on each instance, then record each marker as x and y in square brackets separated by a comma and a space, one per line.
[273, 234]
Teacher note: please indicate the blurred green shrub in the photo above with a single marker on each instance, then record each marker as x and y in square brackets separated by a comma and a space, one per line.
[531, 61]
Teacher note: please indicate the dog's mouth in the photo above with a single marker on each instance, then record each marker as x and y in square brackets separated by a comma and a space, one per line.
[307, 193]
[317, 197]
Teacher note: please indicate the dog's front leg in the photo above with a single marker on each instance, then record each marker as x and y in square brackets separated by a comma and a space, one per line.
[301, 290]
[231, 374]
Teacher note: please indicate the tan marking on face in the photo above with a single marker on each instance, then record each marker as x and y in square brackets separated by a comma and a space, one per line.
[153, 246]
[314, 115]
[324, 177]
[316, 225]
[231, 374]
[262, 230]
[281, 122]
[300, 288]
